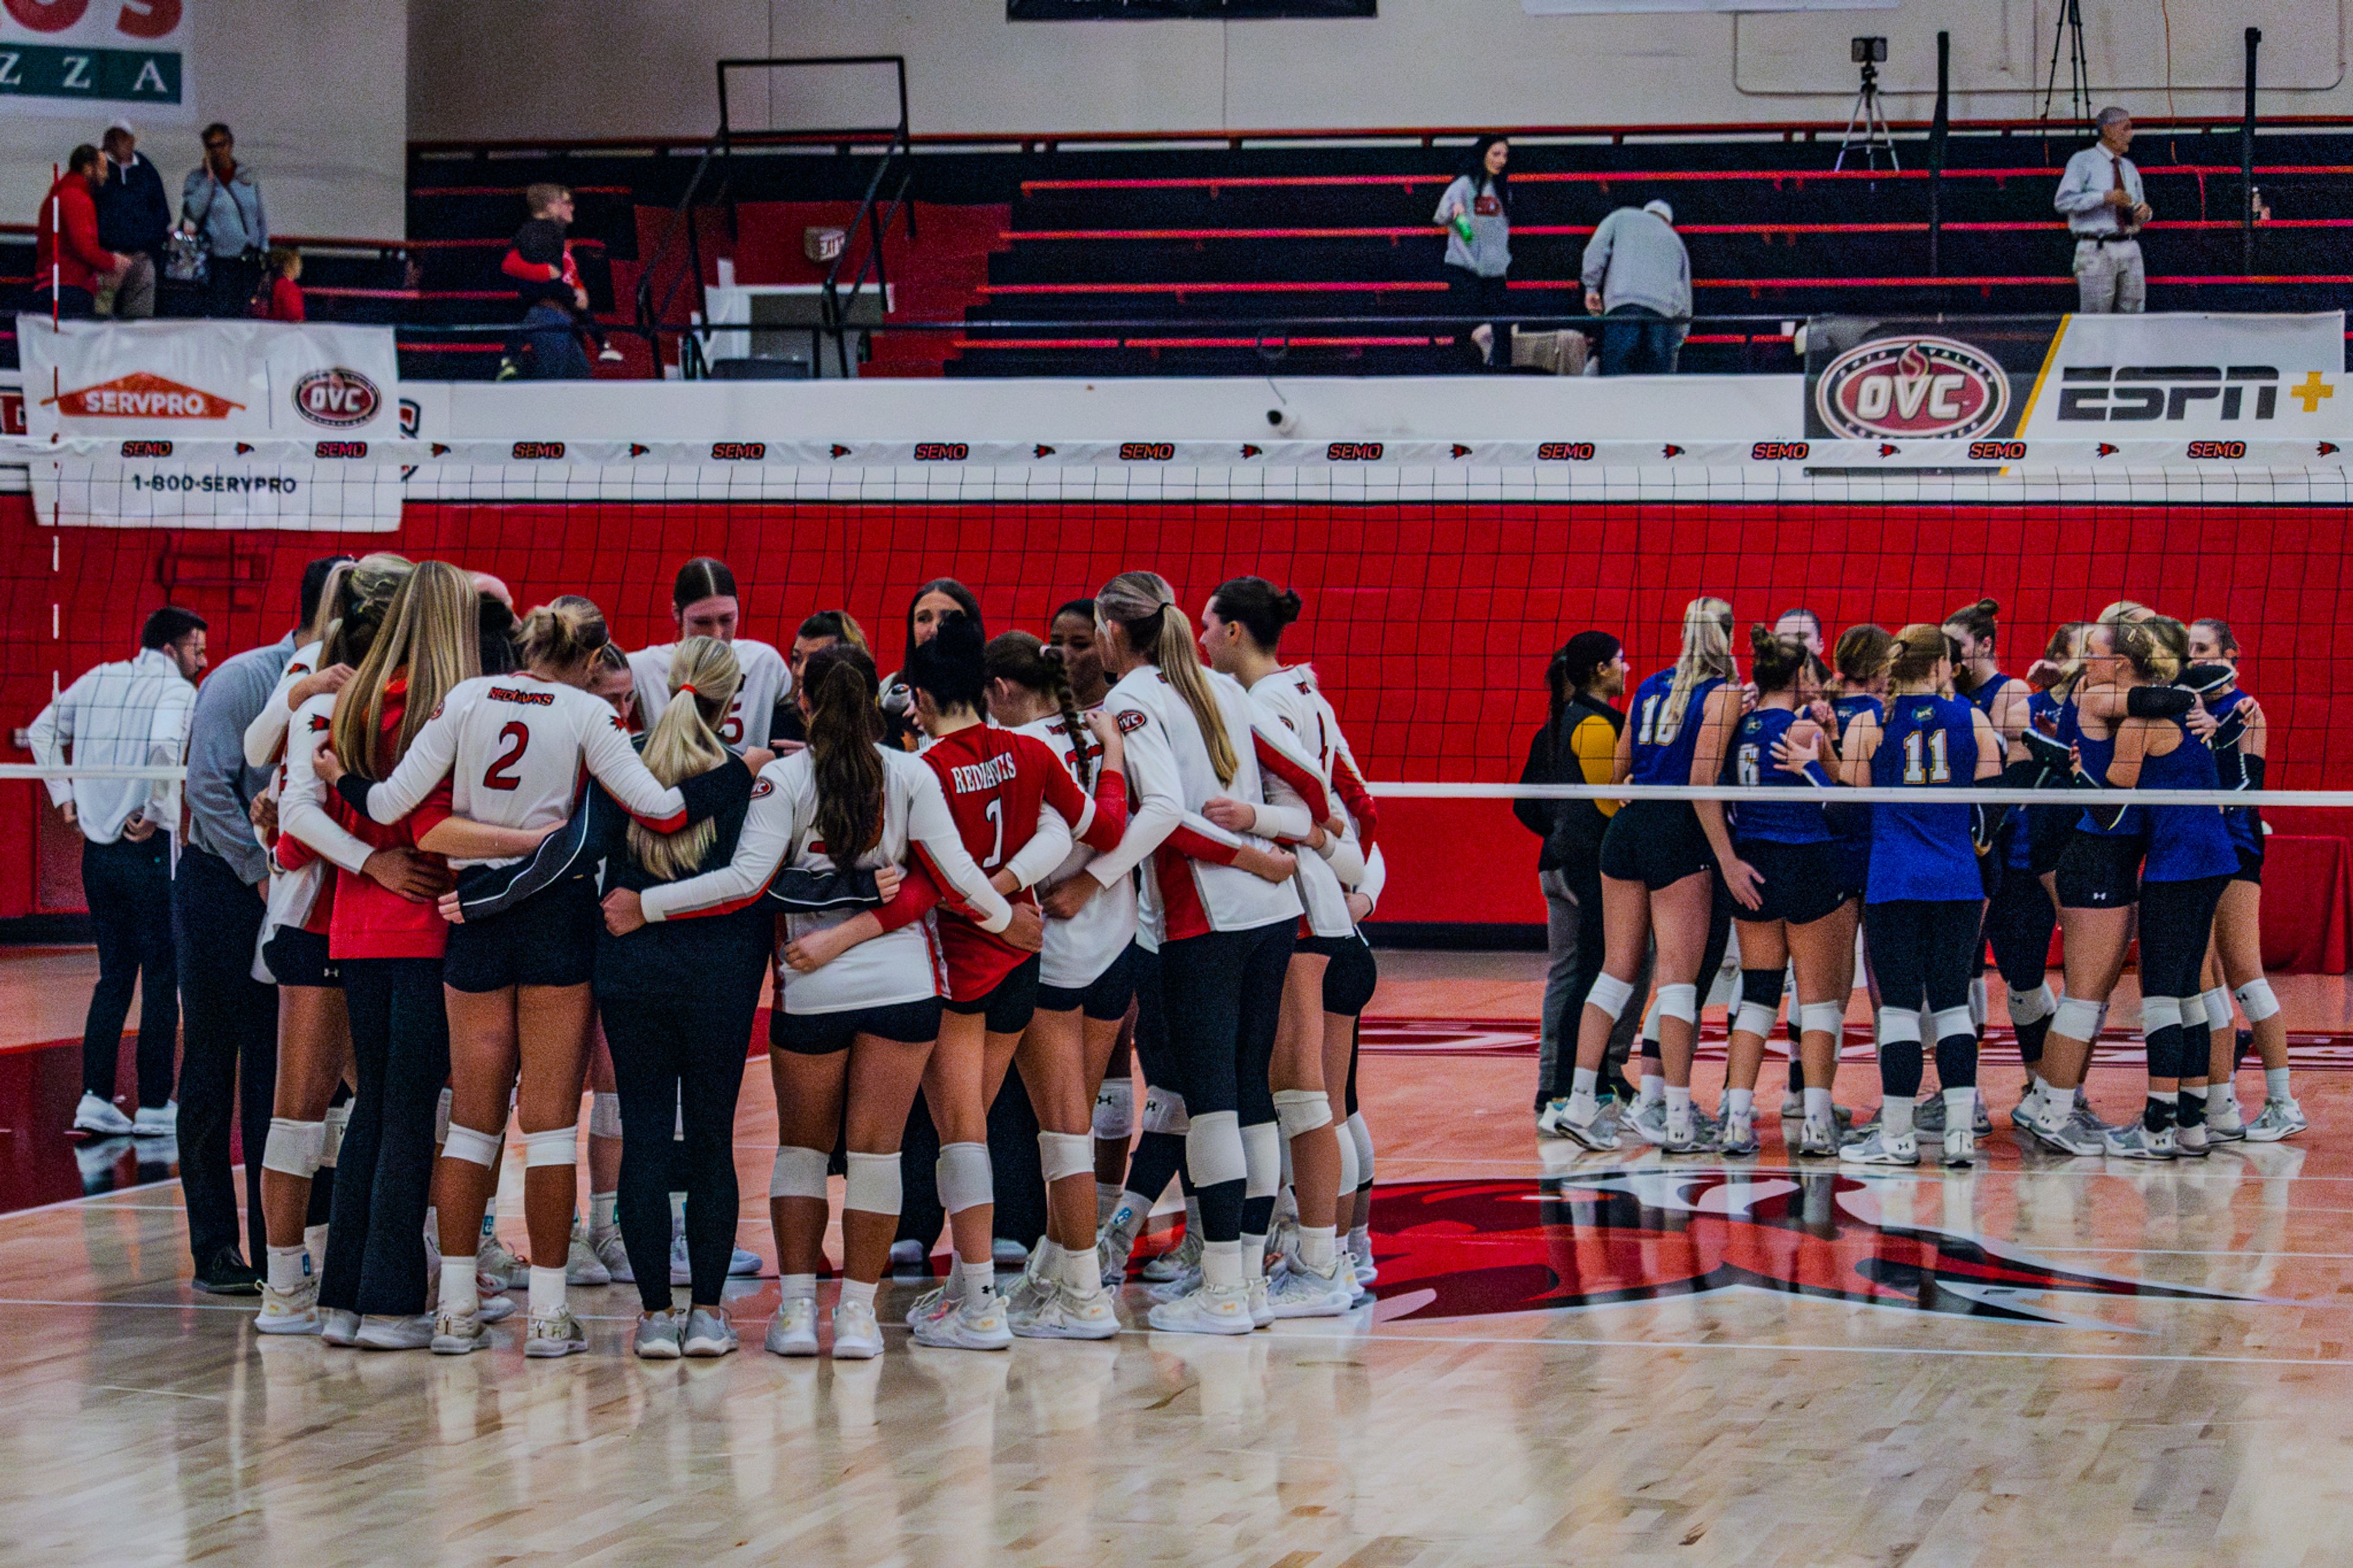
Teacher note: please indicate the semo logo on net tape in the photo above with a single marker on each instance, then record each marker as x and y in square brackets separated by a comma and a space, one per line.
[1920, 387]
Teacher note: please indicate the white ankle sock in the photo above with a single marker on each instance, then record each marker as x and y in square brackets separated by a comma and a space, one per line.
[1081, 1276]
[1894, 1116]
[459, 1292]
[2275, 1083]
[1360, 1242]
[1221, 1263]
[1049, 1260]
[797, 1288]
[979, 1279]
[855, 1294]
[1582, 1080]
[546, 1290]
[601, 1211]
[1253, 1256]
[288, 1266]
[1817, 1105]
[1678, 1101]
[1317, 1244]
[1739, 1102]
[314, 1242]
[1654, 1088]
[1961, 1108]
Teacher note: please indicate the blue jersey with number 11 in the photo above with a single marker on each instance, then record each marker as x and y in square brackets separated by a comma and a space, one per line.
[1924, 851]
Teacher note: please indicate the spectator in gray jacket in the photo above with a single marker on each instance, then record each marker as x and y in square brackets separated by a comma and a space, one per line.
[221, 201]
[134, 217]
[1636, 268]
[1476, 213]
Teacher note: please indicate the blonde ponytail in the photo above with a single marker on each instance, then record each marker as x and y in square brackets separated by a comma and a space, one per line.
[1706, 654]
[683, 744]
[1146, 607]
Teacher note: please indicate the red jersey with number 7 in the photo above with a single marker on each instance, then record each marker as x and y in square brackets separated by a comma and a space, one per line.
[1008, 791]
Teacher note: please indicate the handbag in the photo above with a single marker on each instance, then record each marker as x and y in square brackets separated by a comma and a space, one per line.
[187, 258]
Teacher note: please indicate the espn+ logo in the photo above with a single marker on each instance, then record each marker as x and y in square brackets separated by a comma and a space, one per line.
[2099, 393]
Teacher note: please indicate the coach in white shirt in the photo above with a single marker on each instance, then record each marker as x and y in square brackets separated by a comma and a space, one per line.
[2101, 194]
[132, 714]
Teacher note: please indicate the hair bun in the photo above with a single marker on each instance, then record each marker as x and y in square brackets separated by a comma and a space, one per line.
[1989, 606]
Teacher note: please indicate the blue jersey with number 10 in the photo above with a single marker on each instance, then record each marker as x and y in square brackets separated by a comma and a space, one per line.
[1665, 737]
[1924, 851]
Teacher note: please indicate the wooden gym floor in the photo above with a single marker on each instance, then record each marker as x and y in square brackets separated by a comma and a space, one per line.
[1614, 1358]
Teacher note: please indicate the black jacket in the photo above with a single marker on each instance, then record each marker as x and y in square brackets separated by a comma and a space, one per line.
[1571, 829]
[133, 213]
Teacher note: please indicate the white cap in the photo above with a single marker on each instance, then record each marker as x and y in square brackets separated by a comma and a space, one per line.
[119, 123]
[1657, 204]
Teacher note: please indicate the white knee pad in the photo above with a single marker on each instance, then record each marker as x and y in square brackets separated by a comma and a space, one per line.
[604, 1116]
[1680, 1003]
[873, 1186]
[966, 1177]
[797, 1173]
[1823, 1018]
[2193, 1010]
[2218, 1007]
[441, 1117]
[292, 1147]
[2076, 1019]
[2031, 1006]
[2256, 1001]
[1062, 1155]
[2158, 1012]
[1611, 994]
[1362, 1136]
[1261, 1161]
[1298, 1110]
[1349, 1180]
[1898, 1026]
[1650, 1024]
[1213, 1148]
[555, 1146]
[339, 1117]
[1756, 1018]
[1115, 1109]
[1164, 1111]
[474, 1148]
[1953, 1023]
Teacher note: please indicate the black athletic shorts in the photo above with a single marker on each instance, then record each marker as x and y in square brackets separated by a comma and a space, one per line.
[1657, 843]
[823, 1033]
[1010, 1002]
[1348, 980]
[2251, 867]
[549, 939]
[2101, 871]
[1803, 882]
[1104, 999]
[2049, 830]
[298, 957]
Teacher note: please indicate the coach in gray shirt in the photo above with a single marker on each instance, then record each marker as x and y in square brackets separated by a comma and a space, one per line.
[1636, 268]
[228, 1063]
[2106, 209]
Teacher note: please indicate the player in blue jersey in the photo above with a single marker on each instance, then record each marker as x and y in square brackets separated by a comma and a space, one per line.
[1780, 865]
[1658, 872]
[2236, 963]
[2038, 835]
[1921, 906]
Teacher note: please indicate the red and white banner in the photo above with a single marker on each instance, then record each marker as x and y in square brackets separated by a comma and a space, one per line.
[192, 380]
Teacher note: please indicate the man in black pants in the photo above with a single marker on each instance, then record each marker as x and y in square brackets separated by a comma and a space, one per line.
[229, 1068]
[129, 714]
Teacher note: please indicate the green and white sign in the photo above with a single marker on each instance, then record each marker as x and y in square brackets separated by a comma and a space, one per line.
[85, 58]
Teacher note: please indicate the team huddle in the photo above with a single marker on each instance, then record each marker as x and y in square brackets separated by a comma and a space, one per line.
[510, 863]
[2128, 699]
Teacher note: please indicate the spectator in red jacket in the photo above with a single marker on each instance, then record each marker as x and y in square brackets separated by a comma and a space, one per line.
[281, 299]
[548, 282]
[68, 263]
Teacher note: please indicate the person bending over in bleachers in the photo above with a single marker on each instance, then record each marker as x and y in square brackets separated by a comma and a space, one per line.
[1635, 267]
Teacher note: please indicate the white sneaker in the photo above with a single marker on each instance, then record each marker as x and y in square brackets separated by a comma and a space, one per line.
[459, 1333]
[1876, 1148]
[1818, 1140]
[2192, 1142]
[558, 1333]
[1030, 1289]
[102, 1117]
[609, 354]
[1261, 1314]
[338, 1327]
[496, 1268]
[1174, 1262]
[614, 1253]
[681, 1268]
[1184, 1284]
[657, 1337]
[1211, 1310]
[396, 1333]
[743, 1264]
[1060, 1315]
[2134, 1141]
[971, 1324]
[1592, 1132]
[157, 1121]
[2280, 1119]
[1112, 1249]
[709, 1334]
[794, 1330]
[949, 1292]
[2226, 1124]
[494, 1309]
[294, 1312]
[1738, 1138]
[580, 1263]
[1367, 1272]
[856, 1335]
[1303, 1293]
[1960, 1146]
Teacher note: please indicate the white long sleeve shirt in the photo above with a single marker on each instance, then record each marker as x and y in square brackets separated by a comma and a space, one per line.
[129, 714]
[2084, 190]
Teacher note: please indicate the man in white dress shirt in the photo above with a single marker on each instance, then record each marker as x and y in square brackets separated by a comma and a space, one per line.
[129, 714]
[2101, 195]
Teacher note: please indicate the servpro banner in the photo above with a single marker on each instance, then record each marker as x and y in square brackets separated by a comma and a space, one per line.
[173, 380]
[2202, 377]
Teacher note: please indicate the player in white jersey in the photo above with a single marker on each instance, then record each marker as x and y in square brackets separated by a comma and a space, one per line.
[854, 1025]
[512, 747]
[1224, 930]
[705, 603]
[1242, 628]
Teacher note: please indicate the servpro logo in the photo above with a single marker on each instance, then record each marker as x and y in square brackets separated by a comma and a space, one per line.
[141, 395]
[337, 398]
[1912, 387]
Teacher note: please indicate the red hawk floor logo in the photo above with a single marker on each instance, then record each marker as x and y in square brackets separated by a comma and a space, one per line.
[1459, 1249]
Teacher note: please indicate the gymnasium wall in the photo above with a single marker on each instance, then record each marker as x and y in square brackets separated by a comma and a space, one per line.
[641, 70]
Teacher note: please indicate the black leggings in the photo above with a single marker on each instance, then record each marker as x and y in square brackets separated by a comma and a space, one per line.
[2176, 920]
[679, 1052]
[1158, 1156]
[2019, 922]
[1925, 953]
[384, 1176]
[1227, 991]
